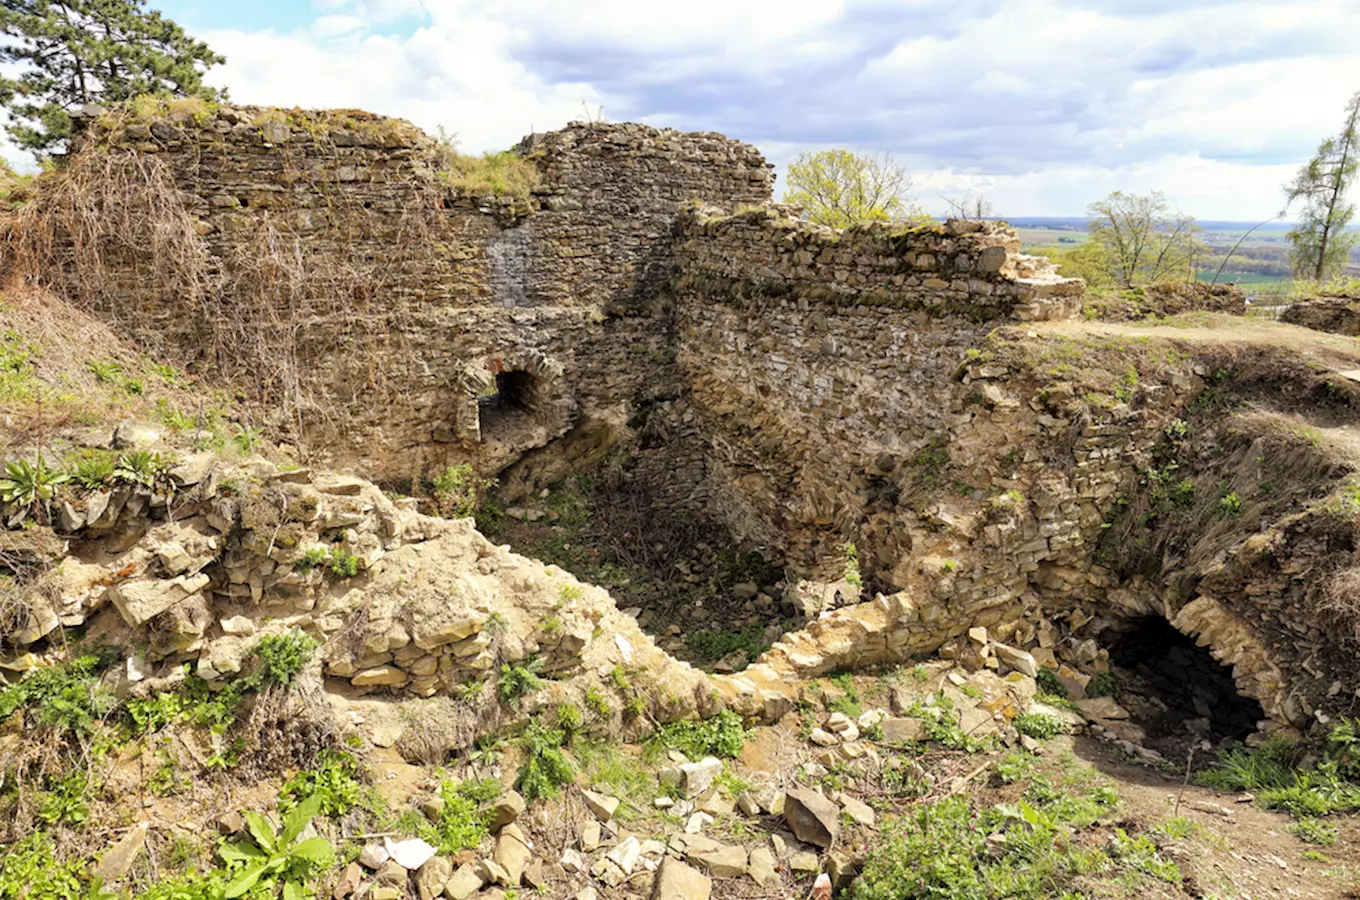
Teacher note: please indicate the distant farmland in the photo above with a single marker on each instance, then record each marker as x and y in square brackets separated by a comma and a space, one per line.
[1262, 259]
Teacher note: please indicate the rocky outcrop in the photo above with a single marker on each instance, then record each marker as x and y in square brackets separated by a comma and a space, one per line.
[1337, 314]
[400, 602]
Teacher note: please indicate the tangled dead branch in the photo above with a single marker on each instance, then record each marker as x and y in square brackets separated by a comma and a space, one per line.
[258, 303]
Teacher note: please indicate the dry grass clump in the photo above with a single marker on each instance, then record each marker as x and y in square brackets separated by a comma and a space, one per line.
[104, 227]
[503, 174]
[440, 726]
[1340, 602]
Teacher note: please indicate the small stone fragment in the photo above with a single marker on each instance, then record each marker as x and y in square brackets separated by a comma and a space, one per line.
[676, 880]
[602, 805]
[812, 818]
[118, 859]
[465, 882]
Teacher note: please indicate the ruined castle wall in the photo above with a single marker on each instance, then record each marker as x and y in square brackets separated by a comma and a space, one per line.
[340, 275]
[822, 363]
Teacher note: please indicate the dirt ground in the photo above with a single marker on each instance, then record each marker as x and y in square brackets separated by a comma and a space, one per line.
[1240, 851]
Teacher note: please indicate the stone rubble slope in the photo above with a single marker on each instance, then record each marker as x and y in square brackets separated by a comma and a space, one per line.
[198, 569]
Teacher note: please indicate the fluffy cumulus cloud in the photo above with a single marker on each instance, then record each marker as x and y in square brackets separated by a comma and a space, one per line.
[1043, 105]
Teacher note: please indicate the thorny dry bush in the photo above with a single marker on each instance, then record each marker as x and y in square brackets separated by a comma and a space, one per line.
[111, 232]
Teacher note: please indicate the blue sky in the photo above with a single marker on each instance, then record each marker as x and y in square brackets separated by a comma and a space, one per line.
[1041, 105]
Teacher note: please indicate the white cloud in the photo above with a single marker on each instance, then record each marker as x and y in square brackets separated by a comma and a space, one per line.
[1043, 104]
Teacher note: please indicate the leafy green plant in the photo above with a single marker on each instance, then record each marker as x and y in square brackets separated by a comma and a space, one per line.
[66, 800]
[144, 467]
[941, 724]
[457, 490]
[29, 870]
[334, 781]
[713, 645]
[1178, 828]
[312, 557]
[1102, 685]
[1314, 831]
[1230, 505]
[28, 484]
[1141, 855]
[598, 702]
[635, 707]
[569, 718]
[343, 563]
[91, 469]
[464, 820]
[246, 438]
[151, 714]
[545, 768]
[70, 697]
[1040, 725]
[850, 557]
[518, 680]
[722, 735]
[106, 372]
[1049, 682]
[271, 859]
[282, 657]
[1177, 430]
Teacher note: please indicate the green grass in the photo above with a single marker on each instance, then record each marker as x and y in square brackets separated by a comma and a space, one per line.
[713, 645]
[1033, 849]
[1314, 831]
[722, 736]
[1275, 772]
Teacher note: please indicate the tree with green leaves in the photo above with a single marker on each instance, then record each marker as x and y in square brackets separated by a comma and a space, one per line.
[66, 54]
[840, 188]
[1142, 240]
[1321, 243]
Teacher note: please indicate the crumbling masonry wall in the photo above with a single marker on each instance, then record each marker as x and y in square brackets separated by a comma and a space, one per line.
[880, 386]
[341, 276]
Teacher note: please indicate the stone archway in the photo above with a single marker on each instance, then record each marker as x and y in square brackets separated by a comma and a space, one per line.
[515, 401]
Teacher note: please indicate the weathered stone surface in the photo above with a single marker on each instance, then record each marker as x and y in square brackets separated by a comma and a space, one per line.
[1018, 660]
[723, 860]
[431, 877]
[512, 853]
[601, 805]
[379, 675]
[348, 882]
[140, 601]
[902, 730]
[464, 882]
[677, 881]
[509, 807]
[1097, 708]
[762, 867]
[858, 811]
[118, 859]
[692, 778]
[812, 818]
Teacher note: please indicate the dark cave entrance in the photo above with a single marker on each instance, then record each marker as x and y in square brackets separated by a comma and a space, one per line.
[506, 402]
[1175, 690]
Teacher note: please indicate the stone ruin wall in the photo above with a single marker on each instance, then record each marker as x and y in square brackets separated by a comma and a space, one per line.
[798, 382]
[390, 299]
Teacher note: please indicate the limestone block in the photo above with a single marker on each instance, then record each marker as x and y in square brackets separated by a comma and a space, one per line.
[140, 601]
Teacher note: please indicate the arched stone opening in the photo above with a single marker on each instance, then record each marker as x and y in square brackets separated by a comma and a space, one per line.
[506, 403]
[1176, 691]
